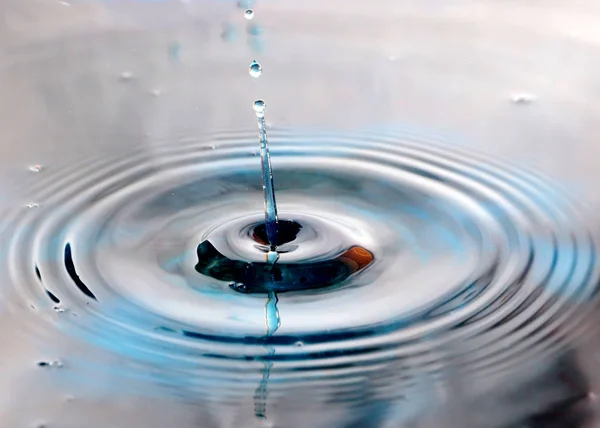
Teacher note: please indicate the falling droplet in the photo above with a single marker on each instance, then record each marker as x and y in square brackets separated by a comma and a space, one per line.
[35, 168]
[255, 69]
[33, 205]
[126, 75]
[259, 108]
[249, 14]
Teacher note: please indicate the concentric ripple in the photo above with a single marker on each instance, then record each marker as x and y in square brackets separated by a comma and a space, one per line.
[466, 251]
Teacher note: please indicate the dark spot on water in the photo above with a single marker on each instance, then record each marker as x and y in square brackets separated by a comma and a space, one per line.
[37, 273]
[287, 231]
[257, 277]
[52, 296]
[73, 273]
[43, 364]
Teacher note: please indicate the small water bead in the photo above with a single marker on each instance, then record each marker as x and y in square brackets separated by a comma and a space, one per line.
[55, 364]
[522, 99]
[249, 14]
[126, 76]
[255, 69]
[33, 205]
[35, 168]
[59, 310]
[259, 108]
[299, 344]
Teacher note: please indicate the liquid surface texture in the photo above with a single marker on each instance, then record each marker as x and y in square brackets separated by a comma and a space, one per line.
[460, 250]
[452, 144]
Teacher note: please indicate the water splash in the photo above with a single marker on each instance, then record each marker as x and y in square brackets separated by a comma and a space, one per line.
[249, 14]
[267, 175]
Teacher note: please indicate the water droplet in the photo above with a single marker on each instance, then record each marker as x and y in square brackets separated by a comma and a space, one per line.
[126, 75]
[33, 205]
[259, 108]
[213, 147]
[249, 14]
[35, 168]
[255, 69]
[522, 99]
[43, 364]
[299, 344]
[59, 310]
